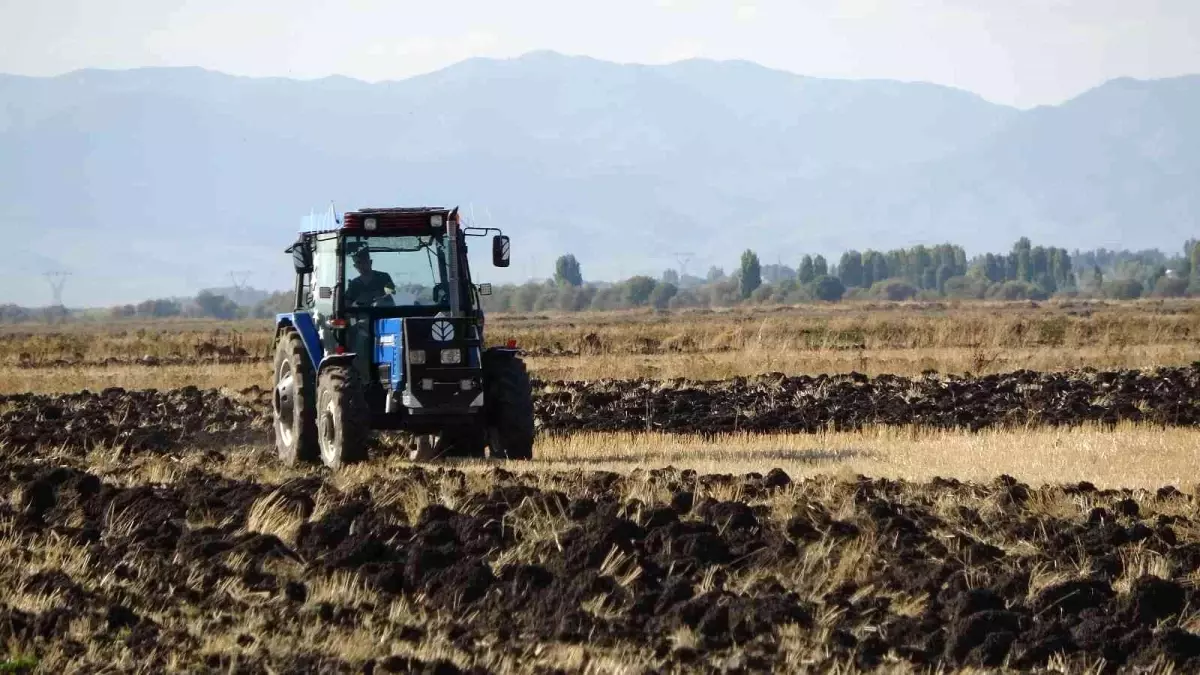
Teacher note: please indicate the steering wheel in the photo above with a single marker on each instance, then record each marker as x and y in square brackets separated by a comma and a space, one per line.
[381, 300]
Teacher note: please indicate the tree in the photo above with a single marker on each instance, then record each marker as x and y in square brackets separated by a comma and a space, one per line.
[929, 279]
[1022, 251]
[896, 290]
[1039, 266]
[1015, 290]
[1171, 287]
[879, 268]
[216, 306]
[527, 296]
[968, 287]
[820, 267]
[868, 268]
[829, 289]
[670, 276]
[806, 273]
[661, 296]
[158, 308]
[944, 273]
[566, 271]
[714, 274]
[638, 290]
[1124, 289]
[1183, 267]
[273, 304]
[751, 277]
[850, 269]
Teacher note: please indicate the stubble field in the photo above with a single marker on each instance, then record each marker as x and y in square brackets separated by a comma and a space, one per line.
[887, 488]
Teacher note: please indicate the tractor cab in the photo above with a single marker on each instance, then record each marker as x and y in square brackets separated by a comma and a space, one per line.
[386, 307]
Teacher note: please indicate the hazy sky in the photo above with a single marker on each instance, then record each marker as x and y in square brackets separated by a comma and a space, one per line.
[1021, 52]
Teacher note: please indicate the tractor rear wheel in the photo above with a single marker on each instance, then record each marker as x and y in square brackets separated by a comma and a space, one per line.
[508, 400]
[343, 421]
[294, 401]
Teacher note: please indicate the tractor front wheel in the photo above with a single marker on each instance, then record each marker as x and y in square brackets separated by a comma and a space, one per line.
[342, 416]
[293, 401]
[508, 401]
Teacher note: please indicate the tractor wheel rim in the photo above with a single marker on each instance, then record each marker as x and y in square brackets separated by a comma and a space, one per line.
[329, 452]
[285, 402]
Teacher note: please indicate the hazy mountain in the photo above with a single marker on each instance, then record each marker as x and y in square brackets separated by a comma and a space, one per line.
[162, 181]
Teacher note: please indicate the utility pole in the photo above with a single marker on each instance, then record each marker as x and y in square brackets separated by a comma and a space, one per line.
[239, 279]
[57, 281]
[683, 259]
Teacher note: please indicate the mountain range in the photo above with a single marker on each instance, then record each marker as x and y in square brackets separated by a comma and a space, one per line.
[159, 182]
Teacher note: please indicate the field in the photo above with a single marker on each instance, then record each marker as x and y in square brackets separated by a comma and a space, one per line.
[891, 488]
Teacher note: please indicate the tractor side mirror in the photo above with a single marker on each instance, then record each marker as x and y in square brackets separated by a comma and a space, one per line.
[500, 250]
[302, 258]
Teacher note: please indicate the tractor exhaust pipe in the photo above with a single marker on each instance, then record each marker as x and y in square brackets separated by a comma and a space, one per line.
[452, 235]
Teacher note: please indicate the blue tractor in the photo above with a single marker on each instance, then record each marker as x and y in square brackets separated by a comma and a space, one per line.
[387, 333]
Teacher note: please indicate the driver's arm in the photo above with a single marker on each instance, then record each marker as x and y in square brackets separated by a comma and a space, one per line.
[353, 290]
[389, 286]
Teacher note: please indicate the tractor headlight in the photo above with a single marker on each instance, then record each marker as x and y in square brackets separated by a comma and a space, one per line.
[451, 357]
[416, 357]
[369, 223]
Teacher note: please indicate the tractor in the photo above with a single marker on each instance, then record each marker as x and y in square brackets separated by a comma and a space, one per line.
[387, 334]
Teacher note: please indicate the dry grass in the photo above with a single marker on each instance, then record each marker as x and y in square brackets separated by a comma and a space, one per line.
[132, 340]
[1129, 456]
[714, 366]
[911, 362]
[895, 338]
[96, 378]
[985, 326]
[1133, 456]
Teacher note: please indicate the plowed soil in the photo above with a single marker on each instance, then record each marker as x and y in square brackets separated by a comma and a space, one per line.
[665, 570]
[133, 420]
[154, 420]
[773, 403]
[420, 570]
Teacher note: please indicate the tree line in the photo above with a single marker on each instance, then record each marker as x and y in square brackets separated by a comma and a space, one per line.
[1026, 272]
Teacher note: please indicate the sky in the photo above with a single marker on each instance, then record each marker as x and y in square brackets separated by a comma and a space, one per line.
[1017, 52]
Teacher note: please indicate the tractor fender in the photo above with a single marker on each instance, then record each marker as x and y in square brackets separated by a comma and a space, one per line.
[510, 352]
[334, 360]
[302, 323]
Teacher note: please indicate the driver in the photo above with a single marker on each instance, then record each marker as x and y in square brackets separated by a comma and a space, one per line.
[369, 285]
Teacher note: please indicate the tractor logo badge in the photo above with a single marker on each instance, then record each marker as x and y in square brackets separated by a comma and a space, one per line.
[443, 331]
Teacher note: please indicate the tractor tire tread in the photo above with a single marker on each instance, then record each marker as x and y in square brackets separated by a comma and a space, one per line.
[509, 404]
[340, 384]
[305, 449]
